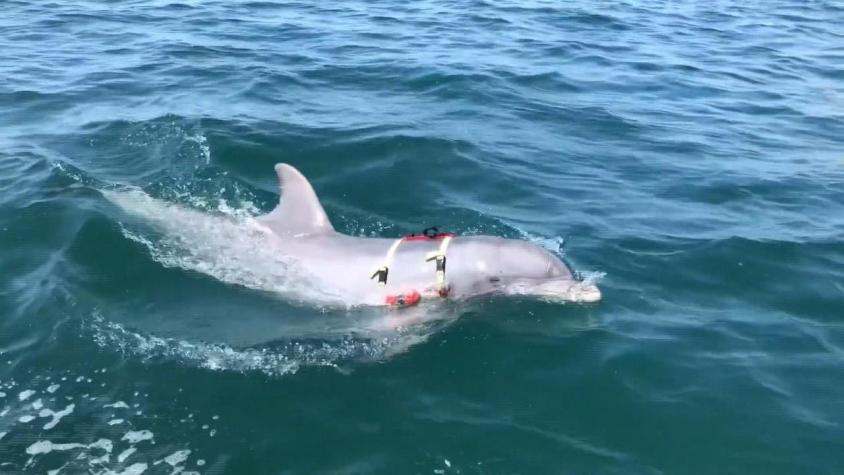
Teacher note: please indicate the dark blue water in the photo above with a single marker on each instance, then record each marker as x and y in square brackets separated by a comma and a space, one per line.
[689, 156]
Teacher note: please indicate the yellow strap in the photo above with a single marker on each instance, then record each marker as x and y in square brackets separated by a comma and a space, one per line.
[392, 252]
[388, 260]
[437, 255]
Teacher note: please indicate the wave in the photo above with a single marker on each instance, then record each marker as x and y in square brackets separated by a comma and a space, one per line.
[40, 419]
[282, 358]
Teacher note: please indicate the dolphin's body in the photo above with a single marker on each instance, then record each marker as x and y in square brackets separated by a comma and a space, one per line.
[475, 265]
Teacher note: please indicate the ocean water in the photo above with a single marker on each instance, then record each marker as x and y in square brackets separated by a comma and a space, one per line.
[686, 155]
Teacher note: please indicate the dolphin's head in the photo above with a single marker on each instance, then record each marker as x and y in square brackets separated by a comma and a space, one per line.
[525, 268]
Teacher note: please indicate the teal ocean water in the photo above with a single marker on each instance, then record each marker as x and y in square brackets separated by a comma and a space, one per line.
[689, 156]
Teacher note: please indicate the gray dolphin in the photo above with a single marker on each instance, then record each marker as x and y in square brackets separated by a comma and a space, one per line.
[380, 271]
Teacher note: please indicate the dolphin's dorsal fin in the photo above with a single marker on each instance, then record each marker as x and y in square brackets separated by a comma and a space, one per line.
[299, 212]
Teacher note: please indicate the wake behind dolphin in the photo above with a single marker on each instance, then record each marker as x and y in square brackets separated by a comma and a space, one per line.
[295, 251]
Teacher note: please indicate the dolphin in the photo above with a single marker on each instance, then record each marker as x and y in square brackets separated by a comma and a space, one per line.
[404, 271]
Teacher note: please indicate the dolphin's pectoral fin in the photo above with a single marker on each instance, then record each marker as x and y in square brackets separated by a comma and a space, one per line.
[299, 211]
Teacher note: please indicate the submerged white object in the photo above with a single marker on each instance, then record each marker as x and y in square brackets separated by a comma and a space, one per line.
[295, 251]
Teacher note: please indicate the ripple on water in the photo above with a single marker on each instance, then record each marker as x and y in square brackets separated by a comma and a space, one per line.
[692, 151]
[55, 447]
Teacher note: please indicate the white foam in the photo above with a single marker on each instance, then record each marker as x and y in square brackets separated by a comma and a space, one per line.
[118, 405]
[53, 388]
[134, 437]
[134, 469]
[126, 454]
[57, 416]
[24, 395]
[114, 422]
[3, 434]
[177, 457]
[97, 455]
[45, 447]
[25, 419]
[38, 404]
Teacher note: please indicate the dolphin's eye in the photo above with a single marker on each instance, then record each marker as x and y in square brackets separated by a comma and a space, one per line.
[494, 279]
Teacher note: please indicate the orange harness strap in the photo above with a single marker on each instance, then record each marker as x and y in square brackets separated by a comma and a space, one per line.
[403, 300]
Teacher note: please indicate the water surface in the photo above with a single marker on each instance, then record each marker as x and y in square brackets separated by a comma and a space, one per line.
[687, 154]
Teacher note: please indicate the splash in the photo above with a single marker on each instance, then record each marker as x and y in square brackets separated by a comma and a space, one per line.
[202, 142]
[586, 288]
[554, 244]
[171, 137]
[591, 277]
[230, 246]
[277, 360]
